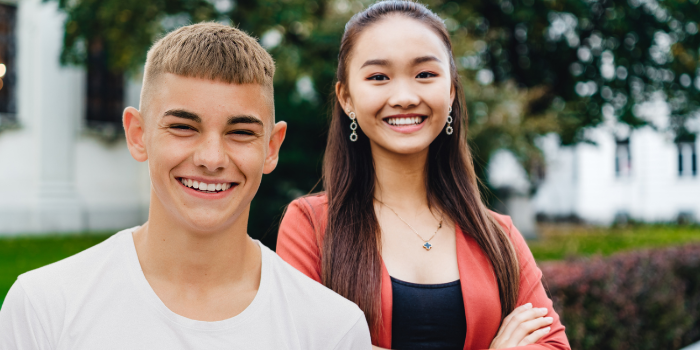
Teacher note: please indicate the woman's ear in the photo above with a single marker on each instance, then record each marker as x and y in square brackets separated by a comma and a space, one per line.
[343, 97]
[452, 95]
[134, 130]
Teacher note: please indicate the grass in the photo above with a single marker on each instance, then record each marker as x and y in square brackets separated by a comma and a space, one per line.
[21, 254]
[556, 242]
[559, 242]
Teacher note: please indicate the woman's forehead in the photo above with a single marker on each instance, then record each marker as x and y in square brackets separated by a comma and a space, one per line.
[397, 39]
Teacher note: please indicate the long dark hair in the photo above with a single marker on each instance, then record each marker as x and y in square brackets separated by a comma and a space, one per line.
[350, 256]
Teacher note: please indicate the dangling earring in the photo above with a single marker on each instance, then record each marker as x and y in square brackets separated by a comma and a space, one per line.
[353, 127]
[449, 122]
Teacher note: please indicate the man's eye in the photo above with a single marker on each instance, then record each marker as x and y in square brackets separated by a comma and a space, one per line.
[424, 75]
[242, 132]
[378, 77]
[181, 127]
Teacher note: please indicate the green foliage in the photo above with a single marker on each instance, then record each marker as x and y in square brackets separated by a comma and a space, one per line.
[529, 67]
[22, 254]
[643, 300]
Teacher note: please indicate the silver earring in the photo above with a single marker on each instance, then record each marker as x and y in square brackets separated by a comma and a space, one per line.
[449, 129]
[353, 126]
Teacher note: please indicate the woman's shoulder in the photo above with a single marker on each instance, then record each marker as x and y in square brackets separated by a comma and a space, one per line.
[312, 205]
[507, 225]
[504, 220]
[306, 215]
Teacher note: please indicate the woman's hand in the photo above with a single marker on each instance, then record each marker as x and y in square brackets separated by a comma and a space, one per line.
[522, 327]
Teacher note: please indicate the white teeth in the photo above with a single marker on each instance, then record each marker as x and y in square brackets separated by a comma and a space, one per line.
[405, 121]
[205, 186]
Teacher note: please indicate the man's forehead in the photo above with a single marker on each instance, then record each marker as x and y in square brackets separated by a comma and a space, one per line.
[211, 98]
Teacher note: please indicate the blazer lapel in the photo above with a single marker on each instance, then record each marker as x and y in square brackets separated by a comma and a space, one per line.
[482, 305]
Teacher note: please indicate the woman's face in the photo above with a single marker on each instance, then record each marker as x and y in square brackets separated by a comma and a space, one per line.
[399, 85]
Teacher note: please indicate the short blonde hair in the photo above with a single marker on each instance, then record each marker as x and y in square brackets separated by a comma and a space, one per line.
[209, 51]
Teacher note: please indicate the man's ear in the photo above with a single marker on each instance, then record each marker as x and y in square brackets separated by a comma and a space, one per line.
[344, 98]
[134, 130]
[279, 131]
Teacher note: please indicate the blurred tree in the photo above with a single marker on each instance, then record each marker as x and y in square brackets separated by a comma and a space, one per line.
[529, 67]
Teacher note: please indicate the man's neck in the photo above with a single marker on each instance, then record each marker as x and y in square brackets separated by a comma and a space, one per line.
[201, 275]
[170, 252]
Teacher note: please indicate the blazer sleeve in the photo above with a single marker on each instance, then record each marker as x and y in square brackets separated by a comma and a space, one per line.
[298, 241]
[532, 291]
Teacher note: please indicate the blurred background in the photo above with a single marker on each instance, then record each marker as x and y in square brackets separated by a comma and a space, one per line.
[583, 122]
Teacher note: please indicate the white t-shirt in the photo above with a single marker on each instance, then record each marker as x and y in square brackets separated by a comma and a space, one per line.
[100, 299]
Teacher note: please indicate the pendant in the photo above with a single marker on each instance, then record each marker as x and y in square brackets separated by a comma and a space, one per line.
[427, 246]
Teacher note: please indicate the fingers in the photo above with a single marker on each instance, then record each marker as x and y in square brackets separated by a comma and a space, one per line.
[509, 318]
[520, 321]
[534, 336]
[526, 328]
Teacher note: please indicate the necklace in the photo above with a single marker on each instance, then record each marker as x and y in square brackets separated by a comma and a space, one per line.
[426, 243]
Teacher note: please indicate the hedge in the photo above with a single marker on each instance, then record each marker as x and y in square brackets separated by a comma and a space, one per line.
[640, 300]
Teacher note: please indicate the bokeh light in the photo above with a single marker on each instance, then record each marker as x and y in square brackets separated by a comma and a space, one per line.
[3, 70]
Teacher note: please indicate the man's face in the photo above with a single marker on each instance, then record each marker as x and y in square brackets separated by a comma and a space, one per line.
[208, 144]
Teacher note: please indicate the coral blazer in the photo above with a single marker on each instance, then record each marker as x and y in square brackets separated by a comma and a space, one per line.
[299, 241]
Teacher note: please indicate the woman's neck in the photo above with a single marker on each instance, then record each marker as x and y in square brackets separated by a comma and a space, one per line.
[400, 179]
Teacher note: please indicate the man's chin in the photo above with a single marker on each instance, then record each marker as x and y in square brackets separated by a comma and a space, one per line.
[210, 224]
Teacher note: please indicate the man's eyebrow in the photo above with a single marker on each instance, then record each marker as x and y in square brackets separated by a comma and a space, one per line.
[181, 113]
[423, 59]
[244, 119]
[375, 63]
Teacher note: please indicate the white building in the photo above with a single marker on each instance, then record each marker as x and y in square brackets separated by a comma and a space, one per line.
[642, 174]
[646, 176]
[60, 170]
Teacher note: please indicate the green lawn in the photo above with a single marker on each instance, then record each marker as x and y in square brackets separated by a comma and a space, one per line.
[21, 254]
[558, 242]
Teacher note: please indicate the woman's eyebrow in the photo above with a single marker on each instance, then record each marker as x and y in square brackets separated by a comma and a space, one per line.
[375, 63]
[416, 61]
[423, 59]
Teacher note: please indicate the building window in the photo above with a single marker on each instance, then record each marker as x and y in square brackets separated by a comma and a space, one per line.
[623, 158]
[8, 66]
[105, 91]
[687, 159]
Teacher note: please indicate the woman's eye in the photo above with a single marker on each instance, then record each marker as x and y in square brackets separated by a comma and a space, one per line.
[378, 77]
[423, 75]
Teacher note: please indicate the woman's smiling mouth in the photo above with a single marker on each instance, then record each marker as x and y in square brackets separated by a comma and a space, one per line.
[405, 123]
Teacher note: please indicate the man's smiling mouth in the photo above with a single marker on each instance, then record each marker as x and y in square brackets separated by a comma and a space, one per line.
[205, 187]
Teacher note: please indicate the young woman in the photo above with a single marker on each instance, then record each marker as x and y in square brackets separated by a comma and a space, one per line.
[401, 229]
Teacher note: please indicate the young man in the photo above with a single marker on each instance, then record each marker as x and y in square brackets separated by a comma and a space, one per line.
[190, 277]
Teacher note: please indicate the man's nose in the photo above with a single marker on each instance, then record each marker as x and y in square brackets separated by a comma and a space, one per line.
[210, 153]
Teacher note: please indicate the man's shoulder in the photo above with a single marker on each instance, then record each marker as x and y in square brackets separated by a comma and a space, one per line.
[303, 290]
[318, 312]
[70, 274]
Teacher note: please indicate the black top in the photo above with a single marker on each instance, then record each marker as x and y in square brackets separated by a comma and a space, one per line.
[427, 316]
